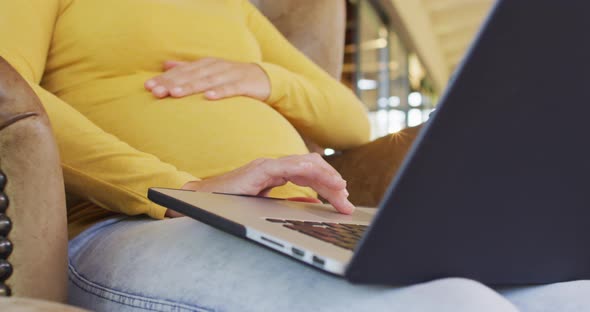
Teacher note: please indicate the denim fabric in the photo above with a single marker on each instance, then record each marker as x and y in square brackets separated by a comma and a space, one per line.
[570, 296]
[138, 264]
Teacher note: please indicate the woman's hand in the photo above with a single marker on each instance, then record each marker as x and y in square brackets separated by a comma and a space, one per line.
[218, 78]
[261, 175]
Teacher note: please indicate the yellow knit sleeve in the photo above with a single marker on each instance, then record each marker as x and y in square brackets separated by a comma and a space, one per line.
[96, 165]
[320, 107]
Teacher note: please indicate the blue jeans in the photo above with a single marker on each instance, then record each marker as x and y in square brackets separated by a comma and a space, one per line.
[138, 264]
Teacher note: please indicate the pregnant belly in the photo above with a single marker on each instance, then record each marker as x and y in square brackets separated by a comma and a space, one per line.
[205, 138]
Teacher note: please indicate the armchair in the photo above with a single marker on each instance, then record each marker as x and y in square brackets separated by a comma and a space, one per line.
[33, 236]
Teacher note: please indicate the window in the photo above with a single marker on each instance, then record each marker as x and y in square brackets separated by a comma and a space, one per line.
[387, 78]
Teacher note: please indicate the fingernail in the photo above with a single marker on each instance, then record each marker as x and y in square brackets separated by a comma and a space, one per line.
[346, 192]
[160, 90]
[350, 206]
[150, 83]
[210, 94]
[177, 91]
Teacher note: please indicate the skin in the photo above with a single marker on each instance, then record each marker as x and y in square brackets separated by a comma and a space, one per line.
[218, 79]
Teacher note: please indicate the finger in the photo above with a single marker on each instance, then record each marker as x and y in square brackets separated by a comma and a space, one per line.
[310, 167]
[224, 91]
[325, 180]
[340, 202]
[159, 80]
[319, 161]
[175, 76]
[166, 82]
[159, 85]
[220, 83]
[160, 92]
[338, 198]
[305, 200]
[261, 175]
[169, 64]
[326, 174]
[200, 80]
[150, 84]
[306, 174]
[173, 73]
[304, 169]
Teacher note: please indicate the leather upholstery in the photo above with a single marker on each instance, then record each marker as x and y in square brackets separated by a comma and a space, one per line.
[369, 169]
[34, 186]
[316, 28]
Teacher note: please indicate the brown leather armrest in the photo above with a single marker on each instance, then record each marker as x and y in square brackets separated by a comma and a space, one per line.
[29, 159]
[315, 27]
[368, 169]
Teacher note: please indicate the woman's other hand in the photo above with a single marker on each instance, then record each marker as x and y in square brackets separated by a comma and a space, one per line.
[217, 78]
[261, 175]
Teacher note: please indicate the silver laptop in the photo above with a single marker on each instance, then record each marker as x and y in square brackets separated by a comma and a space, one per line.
[312, 233]
[495, 187]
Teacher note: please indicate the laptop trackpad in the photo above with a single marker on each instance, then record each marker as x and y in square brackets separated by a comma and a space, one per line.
[326, 211]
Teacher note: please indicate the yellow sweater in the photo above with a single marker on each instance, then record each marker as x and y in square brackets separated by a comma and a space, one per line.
[88, 60]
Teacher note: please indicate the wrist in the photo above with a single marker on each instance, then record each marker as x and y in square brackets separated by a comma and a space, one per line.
[277, 84]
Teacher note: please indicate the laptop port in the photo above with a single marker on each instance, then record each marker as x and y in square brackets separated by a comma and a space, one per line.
[298, 252]
[271, 241]
[318, 261]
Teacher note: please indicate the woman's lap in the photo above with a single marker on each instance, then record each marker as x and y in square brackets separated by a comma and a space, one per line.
[569, 296]
[136, 264]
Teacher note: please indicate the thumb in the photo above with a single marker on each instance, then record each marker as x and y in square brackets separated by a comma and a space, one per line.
[171, 64]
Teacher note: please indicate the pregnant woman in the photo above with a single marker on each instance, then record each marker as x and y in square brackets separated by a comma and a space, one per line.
[205, 95]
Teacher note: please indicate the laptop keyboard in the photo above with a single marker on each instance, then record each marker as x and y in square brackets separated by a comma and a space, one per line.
[340, 234]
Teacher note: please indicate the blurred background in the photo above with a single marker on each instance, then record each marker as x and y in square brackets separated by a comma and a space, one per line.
[400, 54]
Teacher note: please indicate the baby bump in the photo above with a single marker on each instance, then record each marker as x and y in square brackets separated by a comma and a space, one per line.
[202, 137]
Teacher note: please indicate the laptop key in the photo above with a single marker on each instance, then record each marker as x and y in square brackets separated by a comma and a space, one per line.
[342, 235]
[275, 220]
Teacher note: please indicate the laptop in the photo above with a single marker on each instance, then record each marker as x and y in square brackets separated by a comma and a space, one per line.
[495, 188]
